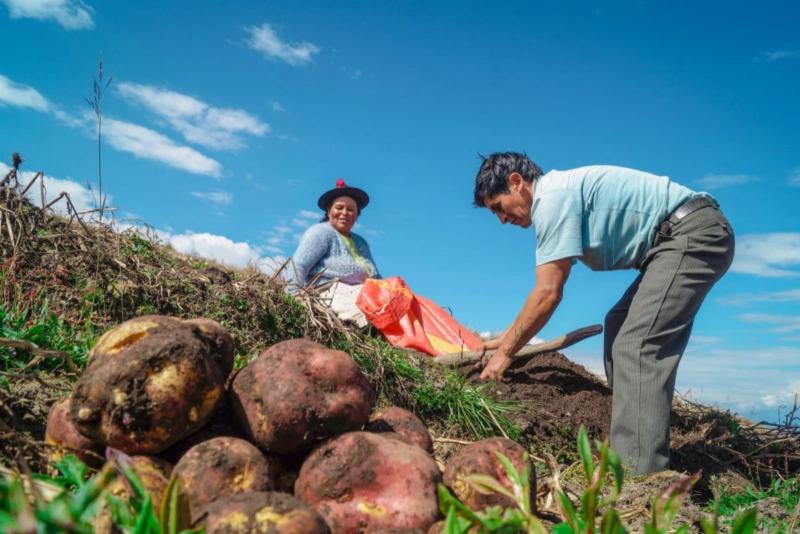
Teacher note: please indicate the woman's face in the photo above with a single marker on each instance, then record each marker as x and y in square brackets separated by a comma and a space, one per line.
[343, 214]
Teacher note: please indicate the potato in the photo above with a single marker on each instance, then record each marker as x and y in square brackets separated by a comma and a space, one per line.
[222, 467]
[217, 427]
[154, 474]
[297, 393]
[65, 438]
[403, 422]
[219, 340]
[437, 528]
[150, 383]
[480, 458]
[262, 512]
[367, 482]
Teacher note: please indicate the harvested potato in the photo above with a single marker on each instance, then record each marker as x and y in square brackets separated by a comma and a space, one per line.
[297, 393]
[220, 342]
[396, 419]
[362, 481]
[154, 474]
[222, 467]
[65, 438]
[218, 426]
[480, 458]
[262, 512]
[147, 386]
[436, 528]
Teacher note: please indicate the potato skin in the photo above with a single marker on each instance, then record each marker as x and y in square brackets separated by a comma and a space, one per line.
[219, 340]
[222, 467]
[297, 393]
[480, 458]
[115, 341]
[64, 436]
[149, 390]
[403, 422]
[262, 513]
[363, 482]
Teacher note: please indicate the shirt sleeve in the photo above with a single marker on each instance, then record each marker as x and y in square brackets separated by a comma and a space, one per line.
[558, 219]
[313, 247]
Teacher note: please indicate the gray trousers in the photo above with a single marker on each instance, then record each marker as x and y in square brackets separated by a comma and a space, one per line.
[647, 331]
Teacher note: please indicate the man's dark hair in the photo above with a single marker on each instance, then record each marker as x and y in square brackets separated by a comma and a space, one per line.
[492, 178]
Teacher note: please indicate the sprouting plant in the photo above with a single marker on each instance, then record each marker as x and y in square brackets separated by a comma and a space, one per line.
[597, 512]
[96, 103]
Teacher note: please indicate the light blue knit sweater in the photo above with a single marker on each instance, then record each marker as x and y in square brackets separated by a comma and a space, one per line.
[322, 248]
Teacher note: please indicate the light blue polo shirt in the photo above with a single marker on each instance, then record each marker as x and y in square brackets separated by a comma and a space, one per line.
[604, 216]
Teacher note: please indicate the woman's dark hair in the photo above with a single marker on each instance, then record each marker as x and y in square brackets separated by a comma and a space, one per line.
[492, 178]
[328, 208]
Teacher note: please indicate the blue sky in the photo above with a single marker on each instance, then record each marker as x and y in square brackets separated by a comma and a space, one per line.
[223, 124]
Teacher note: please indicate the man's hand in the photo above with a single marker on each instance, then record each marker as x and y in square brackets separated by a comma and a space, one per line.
[497, 363]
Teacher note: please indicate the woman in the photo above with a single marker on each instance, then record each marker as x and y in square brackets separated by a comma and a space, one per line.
[330, 250]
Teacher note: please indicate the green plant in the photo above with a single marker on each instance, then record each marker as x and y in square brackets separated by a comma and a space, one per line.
[786, 494]
[79, 499]
[597, 512]
[461, 519]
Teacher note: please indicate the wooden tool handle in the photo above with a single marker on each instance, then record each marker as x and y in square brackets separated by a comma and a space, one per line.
[462, 358]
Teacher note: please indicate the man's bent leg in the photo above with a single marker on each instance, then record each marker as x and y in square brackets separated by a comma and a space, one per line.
[614, 319]
[679, 271]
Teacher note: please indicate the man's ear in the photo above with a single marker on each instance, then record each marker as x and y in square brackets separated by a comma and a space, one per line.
[515, 181]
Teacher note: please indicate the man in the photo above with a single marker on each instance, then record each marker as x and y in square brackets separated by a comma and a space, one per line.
[614, 218]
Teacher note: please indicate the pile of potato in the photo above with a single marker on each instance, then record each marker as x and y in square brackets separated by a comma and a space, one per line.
[289, 443]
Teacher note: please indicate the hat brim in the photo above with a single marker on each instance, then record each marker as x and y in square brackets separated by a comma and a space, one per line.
[359, 195]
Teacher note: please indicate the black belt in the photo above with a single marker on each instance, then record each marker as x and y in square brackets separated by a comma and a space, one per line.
[688, 207]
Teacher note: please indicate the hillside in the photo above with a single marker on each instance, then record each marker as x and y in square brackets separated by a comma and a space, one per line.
[66, 280]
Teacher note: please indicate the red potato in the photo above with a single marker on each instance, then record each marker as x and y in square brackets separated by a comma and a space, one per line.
[220, 425]
[362, 482]
[222, 467]
[403, 422]
[480, 458]
[298, 393]
[65, 438]
[262, 512]
[147, 386]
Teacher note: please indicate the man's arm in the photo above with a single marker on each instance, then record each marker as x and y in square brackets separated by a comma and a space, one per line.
[539, 306]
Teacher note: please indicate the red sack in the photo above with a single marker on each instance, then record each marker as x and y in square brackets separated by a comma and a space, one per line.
[412, 321]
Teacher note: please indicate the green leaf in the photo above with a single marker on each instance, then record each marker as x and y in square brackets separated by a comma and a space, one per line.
[174, 516]
[487, 485]
[563, 528]
[72, 470]
[568, 513]
[615, 463]
[585, 450]
[146, 521]
[511, 471]
[612, 523]
[745, 523]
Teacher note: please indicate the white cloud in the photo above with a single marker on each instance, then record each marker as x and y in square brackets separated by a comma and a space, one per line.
[741, 379]
[198, 122]
[82, 198]
[717, 181]
[783, 323]
[17, 95]
[308, 214]
[71, 14]
[745, 299]
[771, 255]
[145, 143]
[223, 198]
[276, 106]
[264, 39]
[704, 340]
[778, 55]
[794, 178]
[215, 247]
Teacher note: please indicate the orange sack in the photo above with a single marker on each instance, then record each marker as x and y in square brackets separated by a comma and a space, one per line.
[411, 321]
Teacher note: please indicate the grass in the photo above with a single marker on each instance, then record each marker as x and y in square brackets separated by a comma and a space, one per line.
[47, 331]
[786, 494]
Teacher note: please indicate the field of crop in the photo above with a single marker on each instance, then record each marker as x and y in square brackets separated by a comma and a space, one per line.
[145, 391]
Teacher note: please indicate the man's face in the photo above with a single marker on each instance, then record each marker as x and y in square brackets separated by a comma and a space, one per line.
[513, 207]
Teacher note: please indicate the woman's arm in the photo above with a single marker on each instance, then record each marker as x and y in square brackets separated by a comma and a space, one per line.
[313, 248]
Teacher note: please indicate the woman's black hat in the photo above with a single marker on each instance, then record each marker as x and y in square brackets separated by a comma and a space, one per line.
[343, 190]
